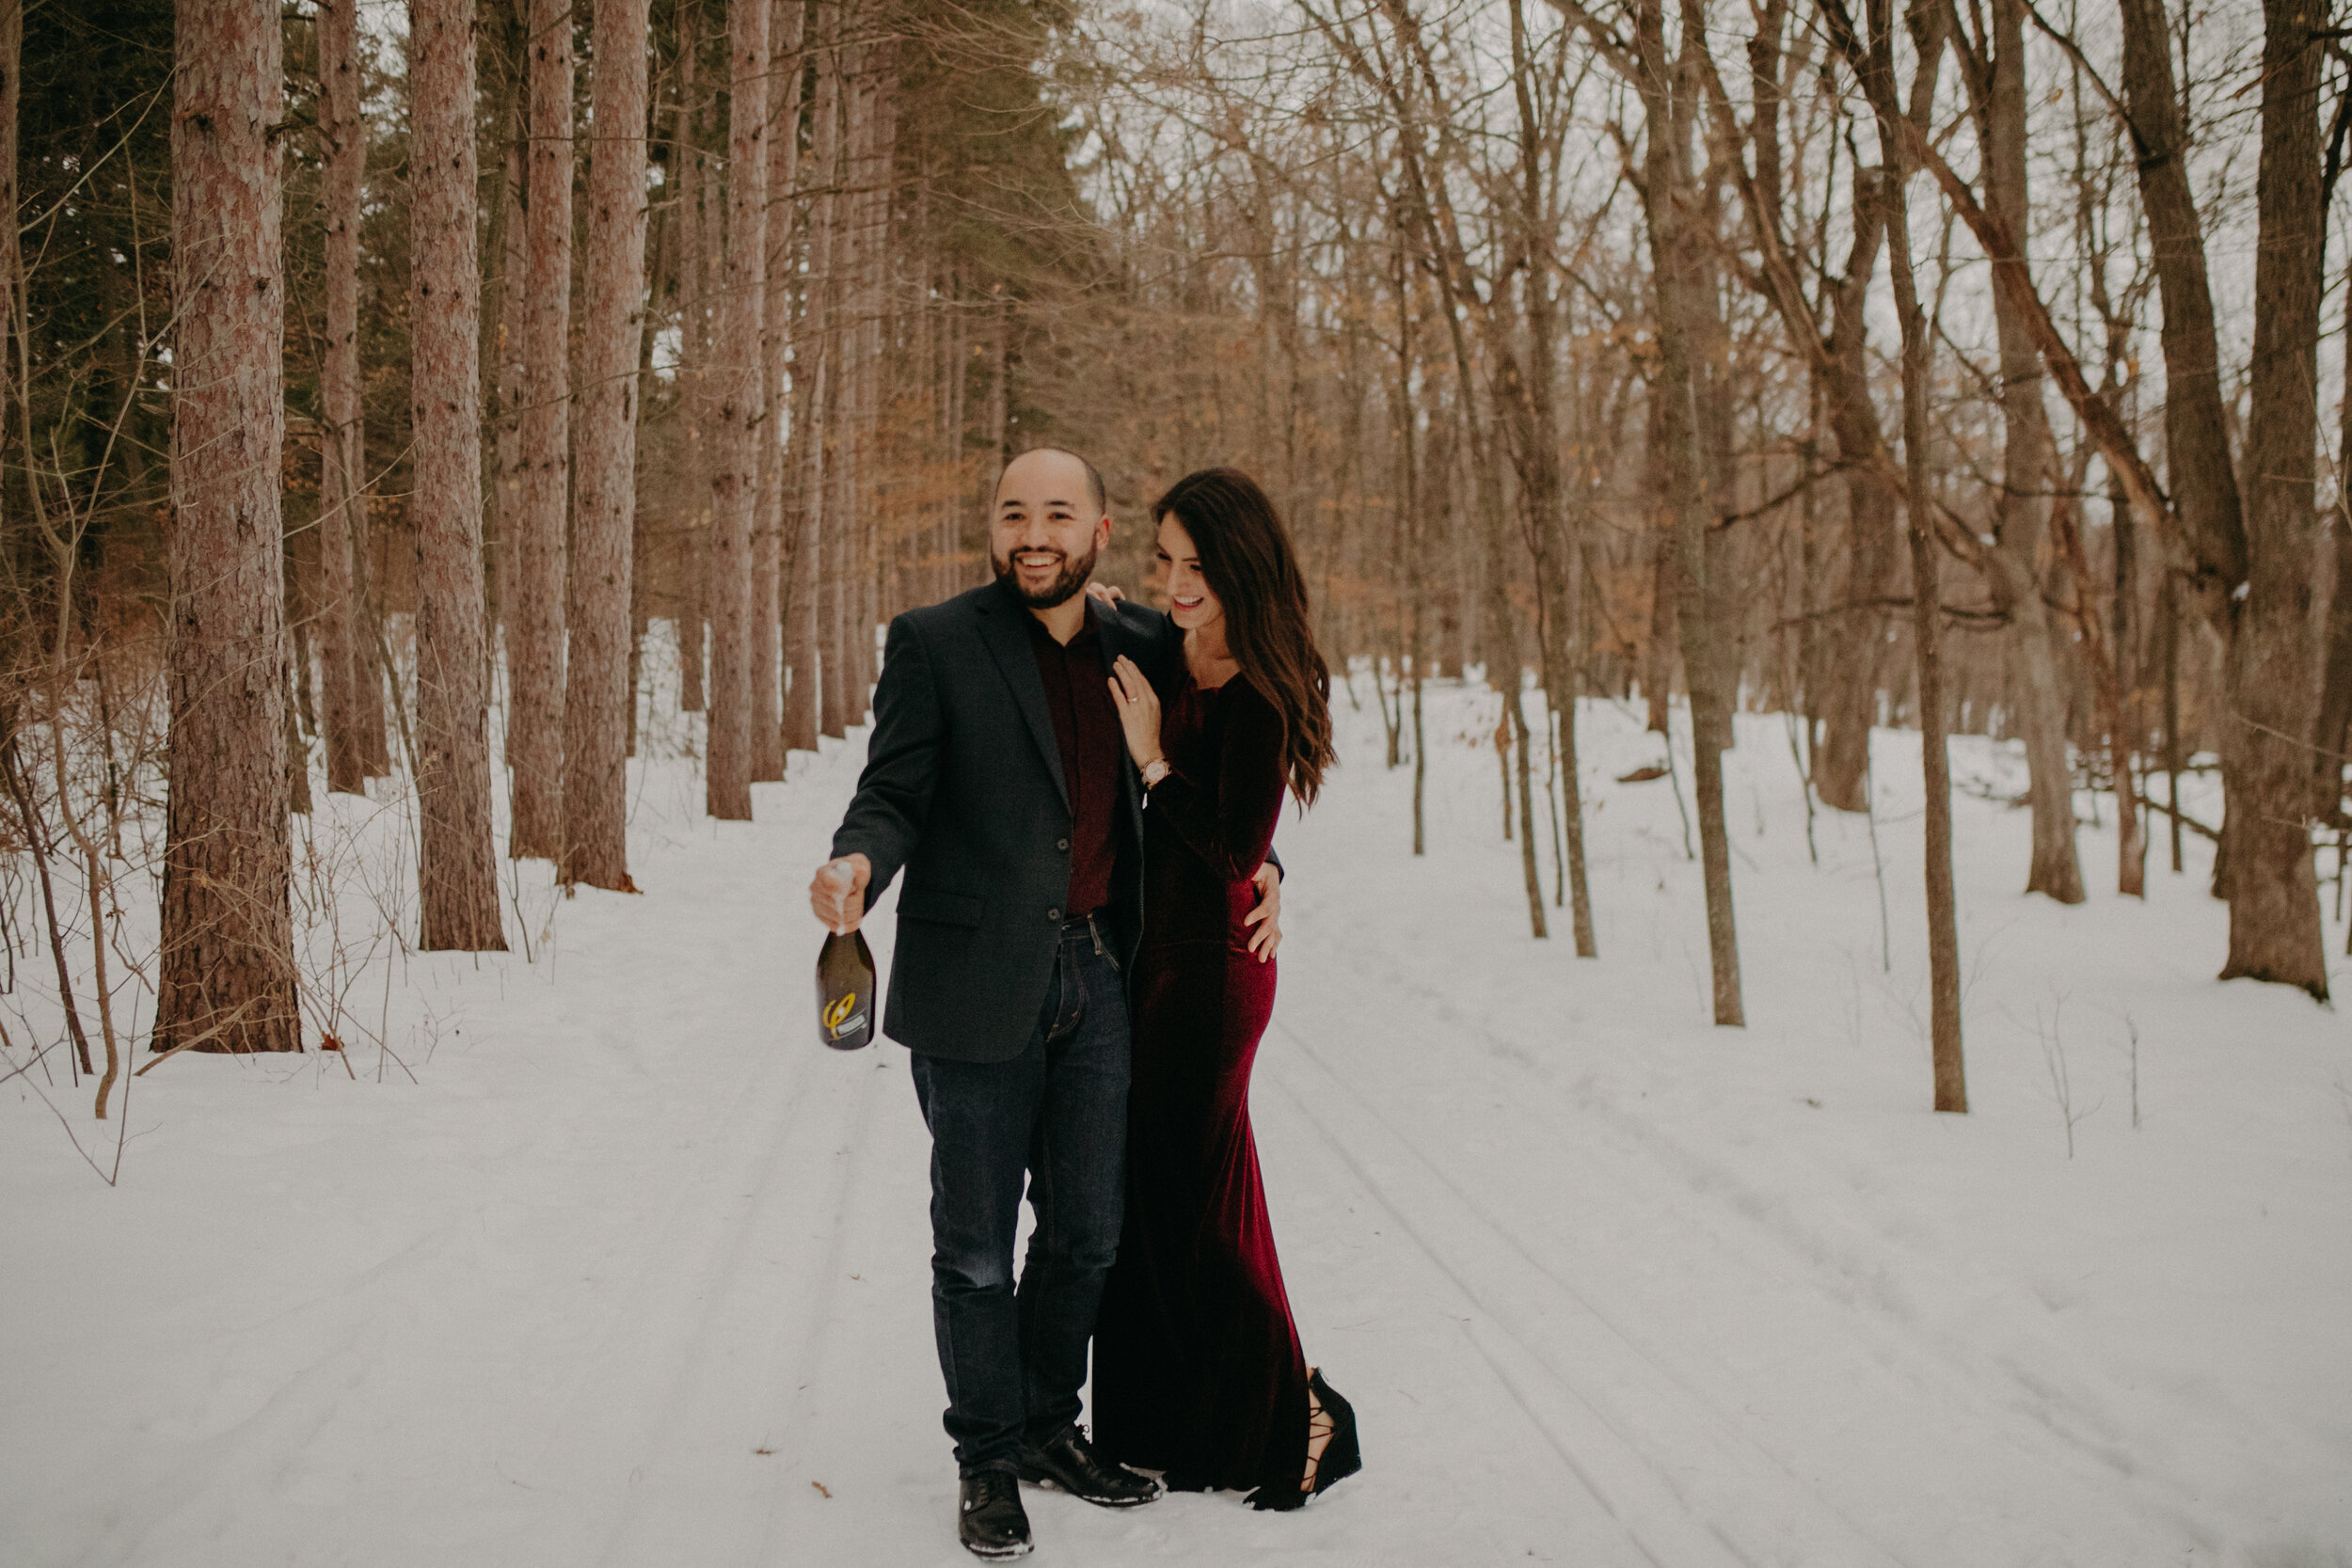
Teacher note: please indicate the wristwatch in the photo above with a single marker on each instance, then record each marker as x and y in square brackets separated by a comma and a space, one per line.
[1155, 770]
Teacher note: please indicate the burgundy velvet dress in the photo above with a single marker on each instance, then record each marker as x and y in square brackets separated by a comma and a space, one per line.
[1198, 1371]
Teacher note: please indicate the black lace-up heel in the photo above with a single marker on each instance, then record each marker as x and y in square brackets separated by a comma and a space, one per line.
[1333, 1419]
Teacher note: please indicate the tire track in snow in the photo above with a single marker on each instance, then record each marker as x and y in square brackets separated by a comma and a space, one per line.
[1929, 1376]
[637, 1374]
[723, 1438]
[1623, 1466]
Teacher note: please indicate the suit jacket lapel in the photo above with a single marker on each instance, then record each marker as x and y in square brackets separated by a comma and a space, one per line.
[1004, 629]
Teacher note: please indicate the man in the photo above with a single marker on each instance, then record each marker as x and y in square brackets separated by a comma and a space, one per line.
[998, 779]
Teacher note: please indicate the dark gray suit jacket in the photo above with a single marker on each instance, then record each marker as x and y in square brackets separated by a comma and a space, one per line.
[963, 791]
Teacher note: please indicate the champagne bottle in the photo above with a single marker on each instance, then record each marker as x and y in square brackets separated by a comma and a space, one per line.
[845, 985]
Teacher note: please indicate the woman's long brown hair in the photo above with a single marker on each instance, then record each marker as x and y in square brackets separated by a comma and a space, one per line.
[1245, 554]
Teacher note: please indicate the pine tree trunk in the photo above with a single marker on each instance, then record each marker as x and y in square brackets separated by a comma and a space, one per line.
[845, 425]
[599, 694]
[660, 251]
[226, 980]
[533, 548]
[873, 168]
[736, 416]
[694, 176]
[2272, 674]
[505, 327]
[769, 514]
[812, 372]
[11, 96]
[344, 672]
[458, 868]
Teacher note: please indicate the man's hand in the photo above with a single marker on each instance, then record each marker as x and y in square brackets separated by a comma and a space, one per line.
[1269, 936]
[840, 900]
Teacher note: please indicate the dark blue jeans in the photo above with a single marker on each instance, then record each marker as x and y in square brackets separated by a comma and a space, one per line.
[1055, 1117]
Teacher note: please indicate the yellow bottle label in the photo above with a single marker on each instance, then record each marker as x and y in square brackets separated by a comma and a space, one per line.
[837, 1012]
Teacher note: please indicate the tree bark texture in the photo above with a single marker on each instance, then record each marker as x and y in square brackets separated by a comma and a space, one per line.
[2271, 674]
[457, 869]
[693, 177]
[346, 673]
[805, 714]
[533, 548]
[598, 696]
[2196, 429]
[2130, 731]
[1927, 637]
[736, 418]
[1856, 636]
[2029, 477]
[12, 98]
[770, 521]
[227, 977]
[1668, 198]
[504, 331]
[840, 418]
[2335, 706]
[1873, 63]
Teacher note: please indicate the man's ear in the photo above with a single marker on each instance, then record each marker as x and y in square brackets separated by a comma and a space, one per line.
[1103, 532]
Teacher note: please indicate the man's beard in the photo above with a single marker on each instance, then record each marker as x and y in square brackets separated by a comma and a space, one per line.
[1065, 586]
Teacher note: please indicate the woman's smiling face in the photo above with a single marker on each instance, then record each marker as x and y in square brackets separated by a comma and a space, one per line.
[1190, 604]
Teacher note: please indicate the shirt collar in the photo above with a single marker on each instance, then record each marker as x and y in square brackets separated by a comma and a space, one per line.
[1084, 638]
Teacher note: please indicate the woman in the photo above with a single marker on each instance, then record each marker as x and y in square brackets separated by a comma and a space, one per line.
[1198, 1371]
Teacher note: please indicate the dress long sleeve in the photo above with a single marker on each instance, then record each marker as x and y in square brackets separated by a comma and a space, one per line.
[1228, 816]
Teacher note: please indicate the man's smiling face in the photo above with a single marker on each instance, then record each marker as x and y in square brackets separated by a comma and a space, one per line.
[1048, 528]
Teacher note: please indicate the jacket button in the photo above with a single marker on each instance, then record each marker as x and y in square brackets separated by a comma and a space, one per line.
[1061, 844]
[1053, 914]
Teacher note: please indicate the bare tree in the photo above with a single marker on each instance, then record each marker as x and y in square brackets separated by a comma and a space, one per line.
[1994, 70]
[228, 975]
[1667, 86]
[1872, 60]
[458, 868]
[2272, 671]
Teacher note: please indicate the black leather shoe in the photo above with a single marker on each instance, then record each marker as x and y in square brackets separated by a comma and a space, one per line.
[1067, 1459]
[989, 1520]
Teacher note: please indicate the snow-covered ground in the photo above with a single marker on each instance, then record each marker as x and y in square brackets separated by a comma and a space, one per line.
[633, 1273]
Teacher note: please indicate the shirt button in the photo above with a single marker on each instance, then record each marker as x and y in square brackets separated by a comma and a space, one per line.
[1061, 844]
[1053, 914]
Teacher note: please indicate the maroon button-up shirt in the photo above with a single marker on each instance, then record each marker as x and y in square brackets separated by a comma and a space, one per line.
[1093, 749]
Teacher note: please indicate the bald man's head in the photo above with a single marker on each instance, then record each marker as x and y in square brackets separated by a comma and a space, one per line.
[1098, 498]
[1050, 522]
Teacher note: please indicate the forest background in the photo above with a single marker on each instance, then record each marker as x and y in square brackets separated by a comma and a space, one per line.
[384, 386]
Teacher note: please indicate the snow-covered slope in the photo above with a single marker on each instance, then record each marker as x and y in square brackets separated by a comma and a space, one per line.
[634, 1273]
